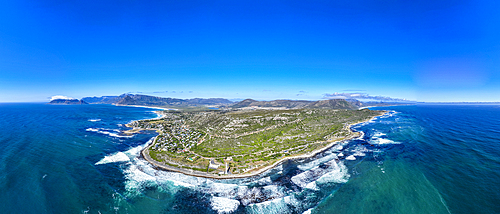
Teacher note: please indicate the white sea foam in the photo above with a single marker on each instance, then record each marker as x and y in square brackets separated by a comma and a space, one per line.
[380, 138]
[265, 180]
[257, 195]
[118, 157]
[103, 131]
[336, 148]
[389, 114]
[312, 186]
[250, 195]
[334, 172]
[337, 175]
[317, 162]
[308, 211]
[303, 178]
[134, 151]
[350, 157]
[279, 168]
[220, 188]
[278, 205]
[381, 141]
[360, 151]
[361, 136]
[272, 191]
[359, 154]
[139, 174]
[94, 120]
[224, 205]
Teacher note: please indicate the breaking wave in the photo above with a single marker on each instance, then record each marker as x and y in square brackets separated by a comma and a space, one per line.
[331, 172]
[280, 190]
[224, 205]
[110, 132]
[262, 193]
[118, 157]
[381, 138]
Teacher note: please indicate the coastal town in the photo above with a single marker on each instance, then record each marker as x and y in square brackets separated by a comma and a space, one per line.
[244, 141]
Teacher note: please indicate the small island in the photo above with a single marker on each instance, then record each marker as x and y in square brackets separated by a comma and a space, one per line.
[67, 102]
[246, 141]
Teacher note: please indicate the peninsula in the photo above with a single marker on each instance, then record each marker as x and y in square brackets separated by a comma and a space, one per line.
[243, 142]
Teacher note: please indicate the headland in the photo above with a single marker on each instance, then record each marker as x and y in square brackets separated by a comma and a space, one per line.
[244, 143]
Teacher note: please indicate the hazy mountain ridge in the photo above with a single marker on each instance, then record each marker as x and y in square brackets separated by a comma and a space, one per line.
[297, 104]
[332, 104]
[103, 99]
[146, 100]
[273, 103]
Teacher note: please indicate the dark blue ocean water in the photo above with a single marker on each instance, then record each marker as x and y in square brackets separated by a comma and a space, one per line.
[415, 159]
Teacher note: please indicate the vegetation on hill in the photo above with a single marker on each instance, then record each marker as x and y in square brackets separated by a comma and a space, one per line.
[245, 141]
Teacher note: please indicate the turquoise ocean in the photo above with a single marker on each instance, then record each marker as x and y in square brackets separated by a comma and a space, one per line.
[414, 159]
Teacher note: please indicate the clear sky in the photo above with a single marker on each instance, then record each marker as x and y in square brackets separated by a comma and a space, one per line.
[418, 50]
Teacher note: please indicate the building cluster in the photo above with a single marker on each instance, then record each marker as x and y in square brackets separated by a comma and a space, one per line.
[178, 138]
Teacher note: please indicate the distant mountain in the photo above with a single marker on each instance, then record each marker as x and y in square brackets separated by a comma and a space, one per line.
[355, 102]
[332, 104]
[376, 103]
[102, 100]
[146, 100]
[244, 103]
[209, 101]
[136, 99]
[274, 103]
[298, 104]
[67, 102]
[234, 100]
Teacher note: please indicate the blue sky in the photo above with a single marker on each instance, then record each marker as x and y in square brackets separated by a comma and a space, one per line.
[417, 50]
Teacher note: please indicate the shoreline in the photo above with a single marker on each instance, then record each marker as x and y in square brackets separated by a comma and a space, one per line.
[191, 172]
[137, 130]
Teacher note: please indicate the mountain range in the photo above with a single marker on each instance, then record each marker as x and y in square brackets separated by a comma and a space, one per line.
[146, 100]
[137, 99]
[299, 104]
